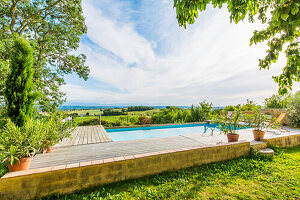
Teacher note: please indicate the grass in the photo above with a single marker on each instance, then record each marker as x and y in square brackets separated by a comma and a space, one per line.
[251, 177]
[3, 169]
[91, 111]
[81, 119]
[147, 112]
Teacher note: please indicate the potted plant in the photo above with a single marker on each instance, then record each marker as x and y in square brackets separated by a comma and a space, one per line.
[54, 131]
[259, 122]
[18, 144]
[230, 125]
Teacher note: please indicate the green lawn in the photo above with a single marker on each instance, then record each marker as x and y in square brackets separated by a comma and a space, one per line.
[250, 177]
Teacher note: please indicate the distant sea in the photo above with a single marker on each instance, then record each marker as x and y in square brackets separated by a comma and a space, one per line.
[113, 106]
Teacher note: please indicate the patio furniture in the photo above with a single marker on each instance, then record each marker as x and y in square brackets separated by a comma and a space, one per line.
[279, 121]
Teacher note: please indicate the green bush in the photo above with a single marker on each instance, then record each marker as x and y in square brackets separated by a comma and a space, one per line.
[249, 106]
[276, 101]
[89, 122]
[54, 130]
[229, 108]
[19, 142]
[35, 135]
[19, 84]
[171, 115]
[229, 125]
[201, 112]
[293, 106]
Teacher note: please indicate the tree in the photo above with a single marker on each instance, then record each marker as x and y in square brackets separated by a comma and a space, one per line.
[293, 106]
[276, 101]
[282, 31]
[201, 112]
[53, 28]
[18, 92]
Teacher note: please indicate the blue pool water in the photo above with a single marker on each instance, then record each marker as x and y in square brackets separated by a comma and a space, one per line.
[122, 134]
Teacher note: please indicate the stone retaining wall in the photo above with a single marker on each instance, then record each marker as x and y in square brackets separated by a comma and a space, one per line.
[284, 141]
[67, 179]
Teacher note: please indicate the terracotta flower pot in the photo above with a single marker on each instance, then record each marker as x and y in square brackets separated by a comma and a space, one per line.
[20, 166]
[258, 135]
[49, 149]
[233, 137]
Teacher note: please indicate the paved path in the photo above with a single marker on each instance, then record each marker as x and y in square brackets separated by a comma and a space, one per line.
[89, 152]
[86, 135]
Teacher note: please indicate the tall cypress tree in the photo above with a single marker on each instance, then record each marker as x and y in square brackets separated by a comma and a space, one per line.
[19, 93]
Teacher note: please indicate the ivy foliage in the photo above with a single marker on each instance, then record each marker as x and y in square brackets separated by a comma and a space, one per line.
[282, 32]
[54, 28]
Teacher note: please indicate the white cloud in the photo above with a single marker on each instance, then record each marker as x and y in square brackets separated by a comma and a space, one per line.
[146, 54]
[117, 37]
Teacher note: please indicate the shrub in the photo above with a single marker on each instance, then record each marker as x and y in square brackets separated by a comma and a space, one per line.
[19, 84]
[229, 125]
[229, 108]
[89, 122]
[293, 106]
[145, 120]
[131, 119]
[249, 106]
[54, 130]
[109, 123]
[276, 101]
[19, 142]
[201, 112]
[171, 115]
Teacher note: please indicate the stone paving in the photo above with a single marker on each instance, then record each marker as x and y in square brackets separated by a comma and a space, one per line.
[89, 152]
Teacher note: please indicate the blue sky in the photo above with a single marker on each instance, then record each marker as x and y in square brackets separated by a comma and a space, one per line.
[138, 54]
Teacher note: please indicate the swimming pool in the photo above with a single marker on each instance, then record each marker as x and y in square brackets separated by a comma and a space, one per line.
[122, 134]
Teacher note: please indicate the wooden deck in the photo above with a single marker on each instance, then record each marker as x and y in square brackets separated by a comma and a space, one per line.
[86, 135]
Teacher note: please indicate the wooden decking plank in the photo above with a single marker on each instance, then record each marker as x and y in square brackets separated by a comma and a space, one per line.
[74, 136]
[81, 129]
[102, 139]
[76, 140]
[97, 138]
[89, 135]
[91, 132]
[108, 139]
[94, 135]
[63, 142]
[84, 135]
[103, 134]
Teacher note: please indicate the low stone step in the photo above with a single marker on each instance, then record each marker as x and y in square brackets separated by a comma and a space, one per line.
[267, 152]
[256, 145]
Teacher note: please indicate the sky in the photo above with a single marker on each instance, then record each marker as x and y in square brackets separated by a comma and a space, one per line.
[138, 55]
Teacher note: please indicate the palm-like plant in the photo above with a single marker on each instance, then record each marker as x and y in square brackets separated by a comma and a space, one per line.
[229, 125]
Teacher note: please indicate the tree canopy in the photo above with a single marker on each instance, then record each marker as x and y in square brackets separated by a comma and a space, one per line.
[54, 28]
[282, 32]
